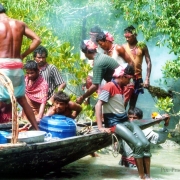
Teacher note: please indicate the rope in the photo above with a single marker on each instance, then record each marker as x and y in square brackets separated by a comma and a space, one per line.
[85, 130]
[8, 84]
[115, 145]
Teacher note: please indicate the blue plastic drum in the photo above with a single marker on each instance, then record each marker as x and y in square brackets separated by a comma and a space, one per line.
[3, 135]
[58, 125]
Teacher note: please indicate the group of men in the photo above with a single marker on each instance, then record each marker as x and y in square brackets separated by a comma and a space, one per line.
[101, 42]
[33, 90]
[119, 65]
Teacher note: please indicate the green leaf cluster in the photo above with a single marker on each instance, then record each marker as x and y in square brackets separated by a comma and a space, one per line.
[165, 104]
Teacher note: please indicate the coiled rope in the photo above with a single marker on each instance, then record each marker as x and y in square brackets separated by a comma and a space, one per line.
[115, 145]
[5, 81]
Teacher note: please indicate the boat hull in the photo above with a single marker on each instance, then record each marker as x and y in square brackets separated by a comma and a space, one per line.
[41, 158]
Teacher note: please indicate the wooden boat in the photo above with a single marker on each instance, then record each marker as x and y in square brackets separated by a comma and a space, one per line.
[41, 158]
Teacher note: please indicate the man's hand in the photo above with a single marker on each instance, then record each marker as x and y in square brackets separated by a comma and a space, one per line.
[107, 130]
[146, 83]
[26, 127]
[166, 120]
[80, 100]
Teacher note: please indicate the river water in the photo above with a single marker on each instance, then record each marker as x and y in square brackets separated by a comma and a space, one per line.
[165, 165]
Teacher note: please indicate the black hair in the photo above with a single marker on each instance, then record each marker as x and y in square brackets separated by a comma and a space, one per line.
[86, 50]
[95, 29]
[61, 96]
[130, 29]
[31, 64]
[101, 37]
[129, 70]
[40, 50]
[2, 9]
[137, 112]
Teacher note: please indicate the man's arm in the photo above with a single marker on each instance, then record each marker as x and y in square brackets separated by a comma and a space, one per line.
[41, 112]
[148, 62]
[76, 108]
[50, 111]
[122, 53]
[89, 92]
[61, 86]
[35, 41]
[98, 112]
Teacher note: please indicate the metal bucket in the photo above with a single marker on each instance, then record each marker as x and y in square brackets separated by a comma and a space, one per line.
[29, 137]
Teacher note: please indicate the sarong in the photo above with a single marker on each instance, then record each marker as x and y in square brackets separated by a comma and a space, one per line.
[12, 68]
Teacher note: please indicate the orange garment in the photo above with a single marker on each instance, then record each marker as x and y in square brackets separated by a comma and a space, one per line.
[128, 91]
[136, 54]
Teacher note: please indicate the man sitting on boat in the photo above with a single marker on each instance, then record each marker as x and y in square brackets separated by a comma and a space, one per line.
[36, 91]
[116, 119]
[63, 106]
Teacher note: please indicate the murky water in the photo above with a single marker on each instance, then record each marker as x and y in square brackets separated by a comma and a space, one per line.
[165, 165]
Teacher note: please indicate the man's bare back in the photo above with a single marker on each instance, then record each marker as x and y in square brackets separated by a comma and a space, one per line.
[11, 36]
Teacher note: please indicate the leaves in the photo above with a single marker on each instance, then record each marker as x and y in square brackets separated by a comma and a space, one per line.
[165, 104]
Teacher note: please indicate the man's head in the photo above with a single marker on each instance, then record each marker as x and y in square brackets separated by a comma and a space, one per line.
[40, 54]
[94, 32]
[88, 48]
[32, 71]
[105, 40]
[61, 100]
[135, 113]
[130, 34]
[123, 74]
[2, 9]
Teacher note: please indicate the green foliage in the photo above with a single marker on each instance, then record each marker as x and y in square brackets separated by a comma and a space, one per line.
[88, 111]
[165, 104]
[159, 20]
[172, 69]
[141, 44]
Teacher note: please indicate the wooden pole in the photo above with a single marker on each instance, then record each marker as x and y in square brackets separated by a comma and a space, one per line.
[5, 81]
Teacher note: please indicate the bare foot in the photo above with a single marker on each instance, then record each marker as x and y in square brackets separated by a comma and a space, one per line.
[94, 154]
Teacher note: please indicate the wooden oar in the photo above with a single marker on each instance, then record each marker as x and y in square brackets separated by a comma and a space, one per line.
[143, 123]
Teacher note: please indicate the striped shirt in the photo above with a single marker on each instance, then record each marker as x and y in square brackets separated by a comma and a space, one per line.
[53, 77]
[113, 108]
[103, 68]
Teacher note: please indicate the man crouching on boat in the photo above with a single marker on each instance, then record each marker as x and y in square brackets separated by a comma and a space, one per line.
[11, 37]
[63, 106]
[116, 119]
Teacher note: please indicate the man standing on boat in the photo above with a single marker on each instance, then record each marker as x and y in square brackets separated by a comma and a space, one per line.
[117, 52]
[137, 51]
[103, 68]
[11, 37]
